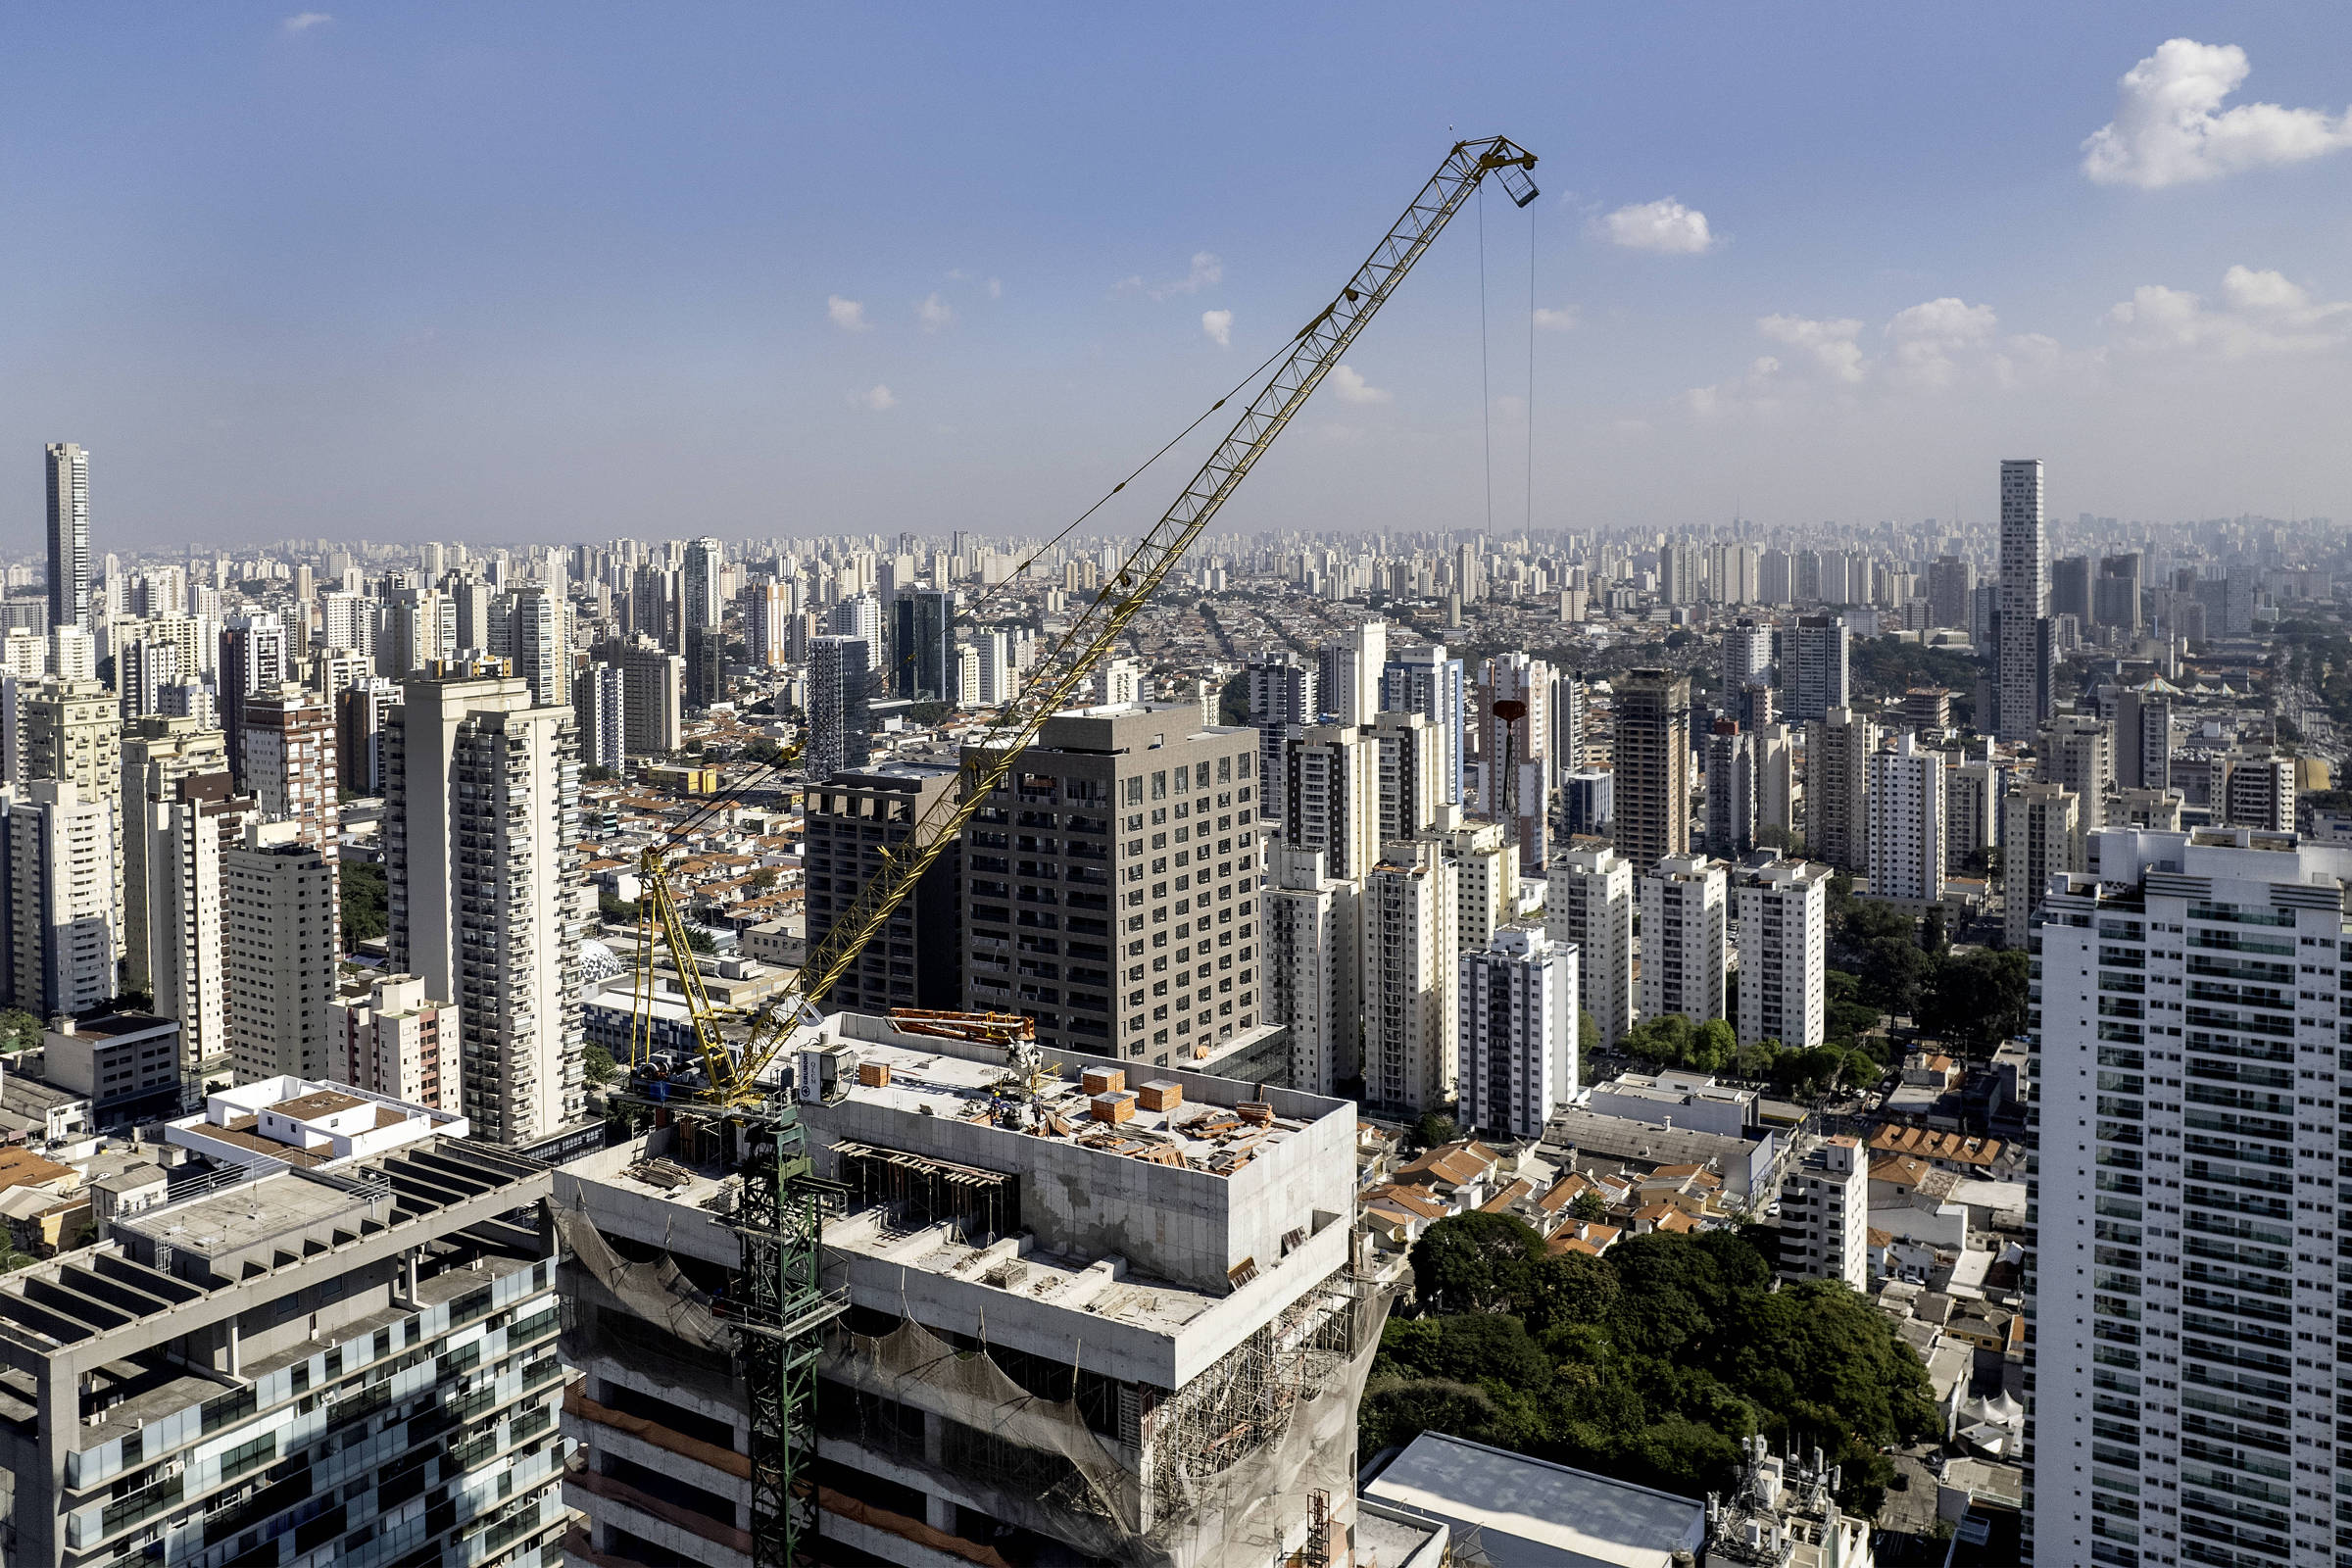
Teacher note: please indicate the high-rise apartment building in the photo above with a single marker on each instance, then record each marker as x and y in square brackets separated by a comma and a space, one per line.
[2039, 841]
[2078, 750]
[653, 685]
[61, 931]
[539, 643]
[1285, 693]
[1686, 945]
[1407, 765]
[2187, 1367]
[1329, 796]
[1351, 671]
[2022, 658]
[1906, 812]
[1588, 903]
[1824, 1213]
[768, 623]
[71, 731]
[2115, 593]
[1313, 984]
[187, 836]
[290, 765]
[1515, 773]
[1409, 909]
[1652, 790]
[282, 923]
[157, 753]
[923, 651]
[2259, 792]
[387, 1037]
[1837, 748]
[856, 818]
[597, 699]
[255, 659]
[1746, 654]
[1126, 921]
[298, 1357]
[2143, 737]
[1951, 579]
[700, 601]
[481, 850]
[1815, 672]
[1485, 877]
[68, 467]
[839, 710]
[360, 734]
[1974, 785]
[143, 667]
[1780, 910]
[1730, 790]
[1776, 778]
[1516, 1042]
[1424, 679]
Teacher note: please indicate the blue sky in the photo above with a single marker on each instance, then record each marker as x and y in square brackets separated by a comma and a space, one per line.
[551, 273]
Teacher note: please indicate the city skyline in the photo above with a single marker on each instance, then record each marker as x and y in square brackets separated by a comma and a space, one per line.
[810, 309]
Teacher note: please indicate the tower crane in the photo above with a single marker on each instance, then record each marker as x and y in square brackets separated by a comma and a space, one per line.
[783, 1306]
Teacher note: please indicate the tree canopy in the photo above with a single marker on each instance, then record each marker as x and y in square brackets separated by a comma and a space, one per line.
[1651, 1362]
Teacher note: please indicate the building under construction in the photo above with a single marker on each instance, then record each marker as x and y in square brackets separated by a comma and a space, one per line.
[1087, 1316]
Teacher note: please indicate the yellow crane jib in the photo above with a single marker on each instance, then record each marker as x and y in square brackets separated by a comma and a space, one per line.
[733, 1075]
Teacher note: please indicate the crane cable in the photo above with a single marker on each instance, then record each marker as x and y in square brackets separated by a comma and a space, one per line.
[1486, 400]
[1262, 366]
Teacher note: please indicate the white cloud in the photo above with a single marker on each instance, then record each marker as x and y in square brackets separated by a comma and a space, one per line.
[1562, 319]
[934, 313]
[1927, 337]
[304, 21]
[2169, 128]
[1347, 386]
[876, 399]
[1207, 270]
[1218, 324]
[847, 315]
[2260, 314]
[1664, 225]
[1830, 345]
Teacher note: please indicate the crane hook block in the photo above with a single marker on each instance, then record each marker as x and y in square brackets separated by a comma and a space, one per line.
[1517, 185]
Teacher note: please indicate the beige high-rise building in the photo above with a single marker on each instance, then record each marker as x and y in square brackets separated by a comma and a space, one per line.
[158, 751]
[482, 852]
[290, 762]
[2039, 839]
[283, 922]
[386, 1036]
[1407, 758]
[1408, 910]
[1907, 822]
[1313, 985]
[1837, 749]
[1589, 902]
[1780, 909]
[1652, 790]
[71, 731]
[1485, 877]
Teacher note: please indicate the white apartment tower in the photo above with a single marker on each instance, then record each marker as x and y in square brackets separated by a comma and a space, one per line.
[1824, 1213]
[1685, 947]
[2023, 675]
[1588, 903]
[1407, 772]
[187, 946]
[481, 847]
[60, 925]
[1781, 908]
[1313, 950]
[1515, 1048]
[1350, 670]
[2188, 1358]
[282, 922]
[69, 473]
[2039, 841]
[1907, 822]
[157, 753]
[1408, 974]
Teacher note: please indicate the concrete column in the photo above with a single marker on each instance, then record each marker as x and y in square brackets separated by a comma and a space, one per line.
[230, 1329]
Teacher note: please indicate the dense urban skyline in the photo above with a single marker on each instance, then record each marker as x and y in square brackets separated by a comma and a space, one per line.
[1789, 274]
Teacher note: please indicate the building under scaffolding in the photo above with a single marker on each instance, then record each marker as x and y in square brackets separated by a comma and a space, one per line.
[1089, 1320]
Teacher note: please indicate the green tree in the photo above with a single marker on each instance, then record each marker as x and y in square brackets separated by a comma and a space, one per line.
[1433, 1129]
[1977, 999]
[596, 1062]
[1589, 1207]
[1474, 1262]
[367, 900]
[19, 1030]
